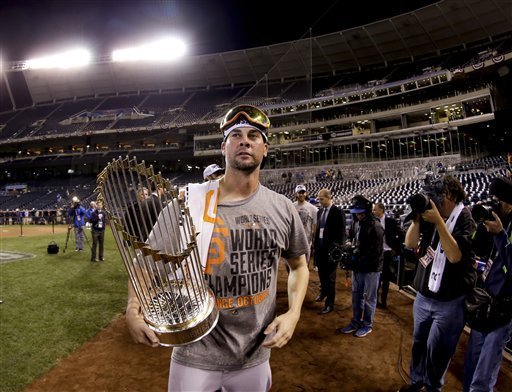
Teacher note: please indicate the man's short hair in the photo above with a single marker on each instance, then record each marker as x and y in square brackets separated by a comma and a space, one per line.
[325, 192]
[381, 206]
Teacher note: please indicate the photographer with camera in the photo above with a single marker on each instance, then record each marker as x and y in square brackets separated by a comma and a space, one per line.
[366, 236]
[330, 231]
[489, 337]
[440, 233]
[77, 215]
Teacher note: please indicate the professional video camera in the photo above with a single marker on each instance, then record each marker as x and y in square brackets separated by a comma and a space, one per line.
[483, 212]
[345, 255]
[432, 189]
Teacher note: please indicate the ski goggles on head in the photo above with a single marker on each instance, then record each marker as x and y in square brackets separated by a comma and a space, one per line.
[245, 116]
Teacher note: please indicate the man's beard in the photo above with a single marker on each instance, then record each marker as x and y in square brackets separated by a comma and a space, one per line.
[247, 167]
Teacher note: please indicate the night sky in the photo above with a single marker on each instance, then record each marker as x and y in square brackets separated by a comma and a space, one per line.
[30, 28]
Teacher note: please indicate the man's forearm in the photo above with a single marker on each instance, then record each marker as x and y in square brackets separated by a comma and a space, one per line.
[133, 302]
[448, 243]
[412, 236]
[297, 283]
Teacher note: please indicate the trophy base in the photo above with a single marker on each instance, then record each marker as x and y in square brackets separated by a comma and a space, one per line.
[193, 331]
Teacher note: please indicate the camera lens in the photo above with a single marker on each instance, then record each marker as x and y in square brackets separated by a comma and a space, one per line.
[419, 203]
[336, 254]
[481, 212]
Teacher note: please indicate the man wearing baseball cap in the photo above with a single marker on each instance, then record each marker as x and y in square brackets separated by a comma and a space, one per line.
[308, 215]
[366, 236]
[213, 172]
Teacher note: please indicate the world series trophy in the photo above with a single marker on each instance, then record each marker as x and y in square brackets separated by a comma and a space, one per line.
[156, 238]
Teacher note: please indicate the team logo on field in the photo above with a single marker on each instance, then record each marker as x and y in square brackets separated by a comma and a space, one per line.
[9, 257]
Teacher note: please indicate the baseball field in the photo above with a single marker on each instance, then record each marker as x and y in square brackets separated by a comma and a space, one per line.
[62, 328]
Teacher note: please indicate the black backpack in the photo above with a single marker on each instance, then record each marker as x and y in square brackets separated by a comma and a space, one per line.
[53, 248]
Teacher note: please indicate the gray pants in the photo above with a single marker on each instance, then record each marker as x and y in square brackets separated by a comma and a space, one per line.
[254, 379]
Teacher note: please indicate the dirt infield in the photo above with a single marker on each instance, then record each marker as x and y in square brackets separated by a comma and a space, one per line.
[10, 231]
[316, 359]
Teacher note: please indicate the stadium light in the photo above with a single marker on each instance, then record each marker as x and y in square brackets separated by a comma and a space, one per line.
[163, 50]
[70, 59]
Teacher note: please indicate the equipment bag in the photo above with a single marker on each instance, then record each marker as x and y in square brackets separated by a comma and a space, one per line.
[53, 248]
[484, 312]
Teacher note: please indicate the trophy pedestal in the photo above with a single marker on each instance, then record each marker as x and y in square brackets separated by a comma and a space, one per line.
[191, 331]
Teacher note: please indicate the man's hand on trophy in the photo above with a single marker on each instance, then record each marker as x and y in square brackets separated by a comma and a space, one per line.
[138, 328]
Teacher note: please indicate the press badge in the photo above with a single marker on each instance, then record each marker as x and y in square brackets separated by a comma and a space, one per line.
[429, 256]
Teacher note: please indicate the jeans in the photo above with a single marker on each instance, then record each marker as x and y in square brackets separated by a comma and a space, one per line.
[364, 298]
[483, 358]
[79, 237]
[437, 329]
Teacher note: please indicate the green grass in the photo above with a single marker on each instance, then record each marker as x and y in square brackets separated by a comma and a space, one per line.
[53, 304]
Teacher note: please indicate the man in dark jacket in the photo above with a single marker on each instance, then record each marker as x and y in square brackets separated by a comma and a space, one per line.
[142, 214]
[440, 235]
[330, 230]
[150, 209]
[393, 239]
[486, 342]
[366, 236]
[98, 219]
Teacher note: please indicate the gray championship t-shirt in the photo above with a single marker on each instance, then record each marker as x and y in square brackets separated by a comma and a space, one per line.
[248, 239]
[308, 216]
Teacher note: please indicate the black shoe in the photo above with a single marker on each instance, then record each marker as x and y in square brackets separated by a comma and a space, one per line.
[102, 259]
[412, 388]
[320, 298]
[327, 309]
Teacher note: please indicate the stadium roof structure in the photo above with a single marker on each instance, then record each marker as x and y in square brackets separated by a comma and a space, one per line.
[443, 27]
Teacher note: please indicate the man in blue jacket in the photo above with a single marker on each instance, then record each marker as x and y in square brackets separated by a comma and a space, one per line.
[77, 215]
[486, 342]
